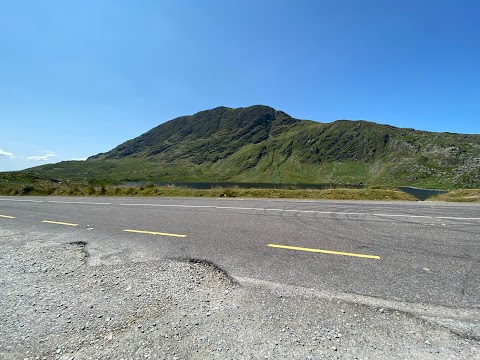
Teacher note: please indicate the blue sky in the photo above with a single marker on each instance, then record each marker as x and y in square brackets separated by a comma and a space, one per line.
[80, 77]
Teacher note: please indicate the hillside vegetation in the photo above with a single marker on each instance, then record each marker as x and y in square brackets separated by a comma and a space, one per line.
[261, 144]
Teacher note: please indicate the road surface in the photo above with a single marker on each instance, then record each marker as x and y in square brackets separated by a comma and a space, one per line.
[422, 252]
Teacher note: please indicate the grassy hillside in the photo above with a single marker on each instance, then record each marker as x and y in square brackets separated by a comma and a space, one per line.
[261, 144]
[206, 137]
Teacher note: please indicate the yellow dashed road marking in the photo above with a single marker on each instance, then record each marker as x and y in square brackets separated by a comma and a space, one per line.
[154, 233]
[7, 216]
[325, 251]
[58, 223]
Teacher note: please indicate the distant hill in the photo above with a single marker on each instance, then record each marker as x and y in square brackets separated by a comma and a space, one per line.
[261, 144]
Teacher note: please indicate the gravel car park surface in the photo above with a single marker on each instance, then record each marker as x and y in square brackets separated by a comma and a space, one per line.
[59, 301]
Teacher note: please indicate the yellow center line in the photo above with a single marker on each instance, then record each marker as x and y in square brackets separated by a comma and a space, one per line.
[7, 216]
[154, 233]
[58, 223]
[325, 251]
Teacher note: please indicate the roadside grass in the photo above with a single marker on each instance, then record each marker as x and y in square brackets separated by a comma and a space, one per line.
[461, 195]
[69, 189]
[20, 184]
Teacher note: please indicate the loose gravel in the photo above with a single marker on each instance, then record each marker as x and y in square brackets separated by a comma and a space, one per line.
[58, 304]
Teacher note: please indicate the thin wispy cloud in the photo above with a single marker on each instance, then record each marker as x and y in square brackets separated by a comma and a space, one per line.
[48, 155]
[6, 154]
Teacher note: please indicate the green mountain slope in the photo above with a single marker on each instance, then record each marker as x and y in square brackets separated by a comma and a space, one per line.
[207, 136]
[261, 144]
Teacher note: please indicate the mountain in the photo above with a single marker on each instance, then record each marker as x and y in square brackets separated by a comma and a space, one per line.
[207, 136]
[261, 144]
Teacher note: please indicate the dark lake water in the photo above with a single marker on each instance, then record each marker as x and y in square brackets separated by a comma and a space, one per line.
[420, 194]
[204, 186]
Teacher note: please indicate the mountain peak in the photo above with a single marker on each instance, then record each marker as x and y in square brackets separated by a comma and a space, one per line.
[208, 135]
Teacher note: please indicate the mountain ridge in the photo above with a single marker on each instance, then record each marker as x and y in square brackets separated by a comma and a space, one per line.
[214, 127]
[261, 144]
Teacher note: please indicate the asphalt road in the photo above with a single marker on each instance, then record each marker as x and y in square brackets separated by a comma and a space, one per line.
[420, 252]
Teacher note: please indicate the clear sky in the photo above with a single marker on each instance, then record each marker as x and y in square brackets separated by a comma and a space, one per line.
[79, 77]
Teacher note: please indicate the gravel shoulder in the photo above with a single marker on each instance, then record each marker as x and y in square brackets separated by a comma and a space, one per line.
[60, 302]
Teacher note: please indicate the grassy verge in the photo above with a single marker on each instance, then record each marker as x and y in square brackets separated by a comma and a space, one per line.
[49, 188]
[463, 195]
